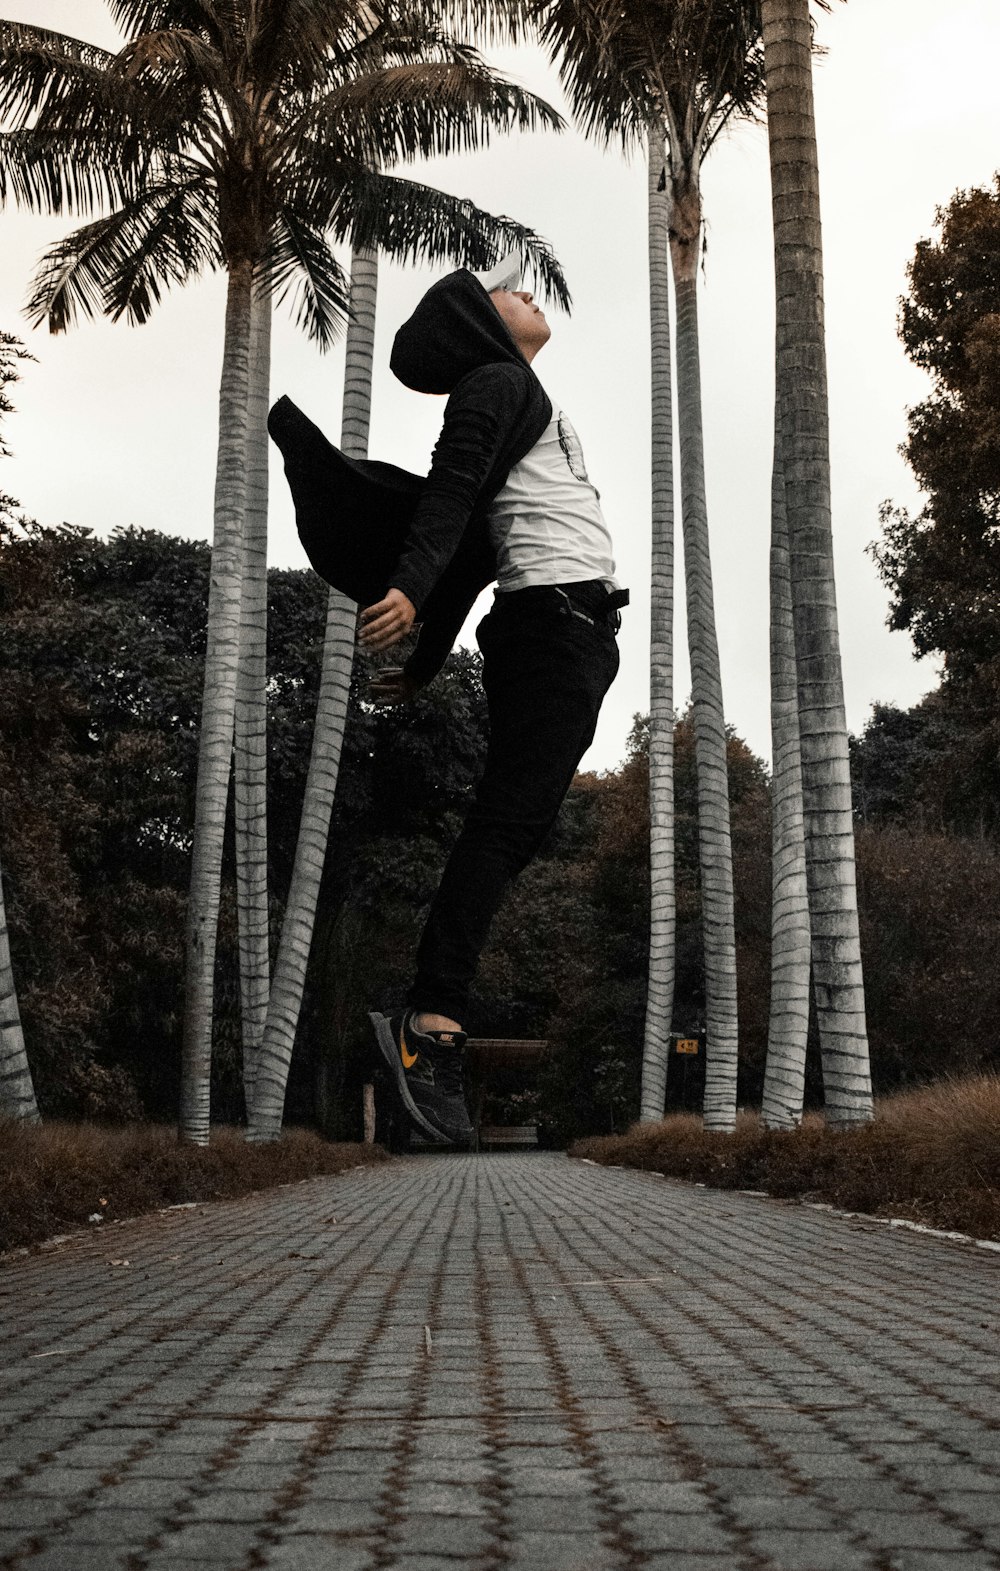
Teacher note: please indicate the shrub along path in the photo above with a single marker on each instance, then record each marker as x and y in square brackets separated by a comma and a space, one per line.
[506, 1363]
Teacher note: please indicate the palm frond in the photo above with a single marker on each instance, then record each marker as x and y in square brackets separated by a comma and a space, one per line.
[412, 111]
[692, 63]
[492, 21]
[295, 40]
[40, 73]
[56, 91]
[174, 54]
[149, 16]
[416, 223]
[406, 40]
[120, 265]
[56, 173]
[25, 35]
[607, 80]
[299, 266]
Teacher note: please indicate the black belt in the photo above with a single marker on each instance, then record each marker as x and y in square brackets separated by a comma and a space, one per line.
[589, 600]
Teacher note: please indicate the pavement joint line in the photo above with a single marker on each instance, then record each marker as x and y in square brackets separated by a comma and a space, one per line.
[673, 1443]
[616, 1530]
[496, 1492]
[389, 1507]
[294, 1490]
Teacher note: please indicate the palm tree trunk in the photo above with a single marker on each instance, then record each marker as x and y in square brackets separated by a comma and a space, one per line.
[328, 736]
[804, 416]
[251, 710]
[17, 1090]
[788, 1024]
[215, 747]
[663, 905]
[714, 841]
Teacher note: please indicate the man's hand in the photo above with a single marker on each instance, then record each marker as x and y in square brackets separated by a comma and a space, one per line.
[392, 687]
[385, 623]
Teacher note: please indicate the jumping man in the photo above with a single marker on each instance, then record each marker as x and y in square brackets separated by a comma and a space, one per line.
[507, 499]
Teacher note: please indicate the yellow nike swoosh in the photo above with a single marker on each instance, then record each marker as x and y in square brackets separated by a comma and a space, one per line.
[409, 1059]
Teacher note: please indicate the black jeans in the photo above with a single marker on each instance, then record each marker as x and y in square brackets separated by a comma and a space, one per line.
[546, 671]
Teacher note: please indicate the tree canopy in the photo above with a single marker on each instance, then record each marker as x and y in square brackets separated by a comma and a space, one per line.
[943, 565]
[251, 137]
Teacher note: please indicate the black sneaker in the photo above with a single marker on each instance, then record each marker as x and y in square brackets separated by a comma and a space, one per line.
[426, 1069]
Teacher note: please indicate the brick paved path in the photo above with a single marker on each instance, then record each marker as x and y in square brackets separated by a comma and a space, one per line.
[509, 1363]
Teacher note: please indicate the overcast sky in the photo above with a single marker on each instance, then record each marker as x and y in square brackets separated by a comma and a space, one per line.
[117, 425]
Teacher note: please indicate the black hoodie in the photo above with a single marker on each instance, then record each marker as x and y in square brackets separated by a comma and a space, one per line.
[368, 527]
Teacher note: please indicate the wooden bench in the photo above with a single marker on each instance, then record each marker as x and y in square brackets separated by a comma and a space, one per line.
[493, 1136]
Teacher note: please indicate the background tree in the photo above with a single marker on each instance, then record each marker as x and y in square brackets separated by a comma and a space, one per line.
[788, 1015]
[942, 566]
[267, 1101]
[686, 67]
[658, 1022]
[803, 420]
[248, 143]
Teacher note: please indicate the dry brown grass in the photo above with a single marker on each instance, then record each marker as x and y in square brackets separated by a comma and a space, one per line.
[53, 1177]
[932, 1155]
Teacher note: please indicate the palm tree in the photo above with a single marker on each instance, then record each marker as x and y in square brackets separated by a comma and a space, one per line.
[250, 730]
[251, 139]
[788, 1022]
[663, 893]
[805, 461]
[690, 67]
[267, 1102]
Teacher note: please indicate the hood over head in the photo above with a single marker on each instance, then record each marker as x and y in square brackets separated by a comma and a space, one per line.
[455, 329]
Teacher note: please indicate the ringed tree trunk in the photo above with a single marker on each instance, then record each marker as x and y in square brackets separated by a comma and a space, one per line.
[804, 420]
[17, 1089]
[250, 754]
[788, 1023]
[215, 745]
[714, 840]
[663, 905]
[328, 736]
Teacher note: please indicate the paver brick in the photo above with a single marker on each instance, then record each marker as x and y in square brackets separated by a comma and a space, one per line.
[780, 1510]
[662, 1530]
[561, 1552]
[316, 1554]
[794, 1549]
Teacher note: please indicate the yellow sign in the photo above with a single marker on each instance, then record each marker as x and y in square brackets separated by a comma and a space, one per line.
[687, 1044]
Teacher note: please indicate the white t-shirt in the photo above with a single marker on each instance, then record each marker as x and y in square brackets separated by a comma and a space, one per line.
[546, 525]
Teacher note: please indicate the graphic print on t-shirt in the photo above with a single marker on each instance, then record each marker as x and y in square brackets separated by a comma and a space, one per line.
[546, 523]
[570, 444]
